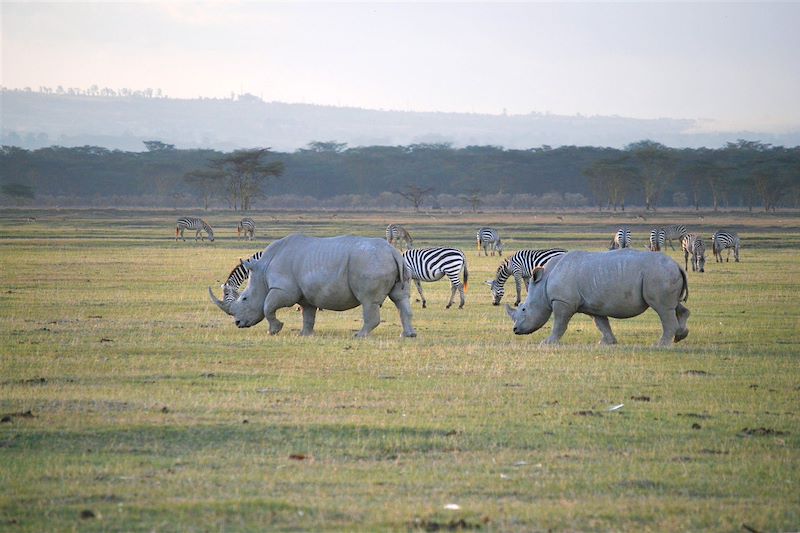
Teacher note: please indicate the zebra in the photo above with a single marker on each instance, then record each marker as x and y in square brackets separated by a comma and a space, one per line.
[396, 233]
[489, 238]
[722, 240]
[675, 231]
[237, 277]
[247, 226]
[195, 223]
[430, 264]
[658, 238]
[693, 245]
[622, 239]
[520, 265]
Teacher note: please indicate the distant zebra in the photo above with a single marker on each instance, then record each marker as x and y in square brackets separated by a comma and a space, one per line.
[489, 238]
[622, 239]
[430, 264]
[396, 233]
[675, 231]
[195, 223]
[693, 245]
[657, 239]
[237, 277]
[722, 240]
[520, 265]
[247, 226]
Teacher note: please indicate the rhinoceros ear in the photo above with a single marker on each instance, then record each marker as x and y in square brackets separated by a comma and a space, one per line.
[511, 312]
[536, 275]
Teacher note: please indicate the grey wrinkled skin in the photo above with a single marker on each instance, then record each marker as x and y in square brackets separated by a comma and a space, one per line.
[335, 273]
[617, 284]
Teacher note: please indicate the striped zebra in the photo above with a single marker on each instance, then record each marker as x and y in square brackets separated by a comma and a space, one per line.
[520, 265]
[247, 226]
[658, 239]
[693, 245]
[489, 238]
[396, 233]
[622, 239]
[237, 277]
[675, 231]
[195, 223]
[430, 264]
[725, 240]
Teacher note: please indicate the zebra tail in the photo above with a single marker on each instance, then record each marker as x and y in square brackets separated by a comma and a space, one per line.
[466, 276]
[177, 231]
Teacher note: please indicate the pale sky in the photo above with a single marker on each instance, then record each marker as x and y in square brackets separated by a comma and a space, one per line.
[736, 65]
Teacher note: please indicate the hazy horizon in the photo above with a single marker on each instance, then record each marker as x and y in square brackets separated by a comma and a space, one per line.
[727, 66]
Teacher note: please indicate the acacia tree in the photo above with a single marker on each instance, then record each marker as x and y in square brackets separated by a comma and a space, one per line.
[209, 181]
[611, 180]
[415, 194]
[474, 199]
[656, 165]
[245, 172]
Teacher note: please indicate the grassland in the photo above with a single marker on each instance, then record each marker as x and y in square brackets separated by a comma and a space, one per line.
[129, 402]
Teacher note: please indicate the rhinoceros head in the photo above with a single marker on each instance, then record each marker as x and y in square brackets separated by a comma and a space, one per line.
[246, 308]
[535, 310]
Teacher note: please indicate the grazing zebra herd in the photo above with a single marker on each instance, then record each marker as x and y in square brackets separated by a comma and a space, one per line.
[245, 228]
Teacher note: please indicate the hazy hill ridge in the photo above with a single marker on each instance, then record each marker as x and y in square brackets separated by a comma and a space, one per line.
[34, 120]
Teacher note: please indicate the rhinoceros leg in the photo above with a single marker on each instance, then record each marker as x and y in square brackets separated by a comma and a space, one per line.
[278, 299]
[372, 317]
[605, 328]
[309, 316]
[682, 314]
[562, 313]
[399, 296]
[669, 322]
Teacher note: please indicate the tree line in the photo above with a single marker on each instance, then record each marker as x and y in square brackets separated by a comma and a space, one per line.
[742, 174]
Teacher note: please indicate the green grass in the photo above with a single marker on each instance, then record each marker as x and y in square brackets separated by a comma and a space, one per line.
[150, 410]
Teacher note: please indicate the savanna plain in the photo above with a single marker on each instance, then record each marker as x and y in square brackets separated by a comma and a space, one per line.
[129, 402]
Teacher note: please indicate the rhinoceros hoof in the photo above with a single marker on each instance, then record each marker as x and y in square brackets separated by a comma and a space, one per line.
[274, 329]
[411, 334]
[681, 334]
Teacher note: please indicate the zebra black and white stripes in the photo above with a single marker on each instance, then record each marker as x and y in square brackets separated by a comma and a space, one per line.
[657, 239]
[725, 240]
[693, 245]
[431, 264]
[396, 233]
[237, 277]
[520, 265]
[247, 226]
[194, 223]
[489, 238]
[674, 231]
[622, 239]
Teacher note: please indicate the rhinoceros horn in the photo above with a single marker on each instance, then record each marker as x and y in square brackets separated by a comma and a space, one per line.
[222, 305]
[511, 312]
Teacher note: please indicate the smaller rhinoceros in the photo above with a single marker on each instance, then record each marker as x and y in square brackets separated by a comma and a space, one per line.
[618, 284]
[335, 273]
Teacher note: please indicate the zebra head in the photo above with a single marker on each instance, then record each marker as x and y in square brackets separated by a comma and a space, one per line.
[498, 290]
[210, 234]
[247, 308]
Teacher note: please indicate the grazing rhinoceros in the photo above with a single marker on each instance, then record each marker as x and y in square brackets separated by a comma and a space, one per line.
[336, 273]
[618, 284]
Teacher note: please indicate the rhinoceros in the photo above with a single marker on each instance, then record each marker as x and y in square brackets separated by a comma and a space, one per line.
[335, 273]
[619, 284]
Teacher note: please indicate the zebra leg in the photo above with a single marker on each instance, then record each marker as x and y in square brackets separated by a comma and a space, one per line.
[372, 317]
[399, 296]
[670, 244]
[686, 261]
[421, 295]
[605, 328]
[736, 253]
[309, 316]
[682, 314]
[518, 281]
[453, 296]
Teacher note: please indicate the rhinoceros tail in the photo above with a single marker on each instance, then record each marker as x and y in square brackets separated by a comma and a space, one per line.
[403, 272]
[685, 290]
